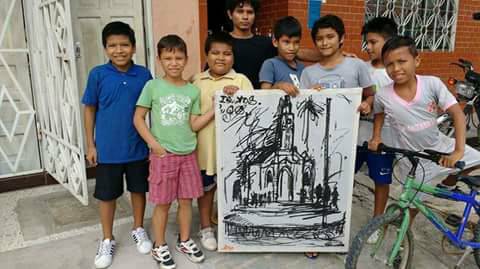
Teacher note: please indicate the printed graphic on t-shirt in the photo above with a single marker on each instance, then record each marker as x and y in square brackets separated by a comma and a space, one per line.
[432, 107]
[295, 80]
[174, 109]
[331, 81]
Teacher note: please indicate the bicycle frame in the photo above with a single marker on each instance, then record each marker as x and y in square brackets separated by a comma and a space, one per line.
[408, 198]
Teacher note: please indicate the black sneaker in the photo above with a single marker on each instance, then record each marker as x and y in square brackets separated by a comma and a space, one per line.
[162, 255]
[190, 249]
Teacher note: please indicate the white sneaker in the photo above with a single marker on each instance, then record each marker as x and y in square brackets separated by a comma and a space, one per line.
[374, 237]
[105, 252]
[140, 236]
[207, 238]
[190, 249]
[163, 257]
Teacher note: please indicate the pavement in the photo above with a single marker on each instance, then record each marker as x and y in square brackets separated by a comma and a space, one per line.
[71, 241]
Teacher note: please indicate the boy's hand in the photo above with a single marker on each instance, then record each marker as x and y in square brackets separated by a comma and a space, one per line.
[373, 143]
[158, 150]
[364, 108]
[288, 88]
[230, 89]
[317, 87]
[92, 156]
[452, 159]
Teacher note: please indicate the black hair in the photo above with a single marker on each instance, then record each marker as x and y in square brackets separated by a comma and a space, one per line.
[170, 43]
[400, 42]
[383, 26]
[232, 4]
[288, 26]
[117, 28]
[329, 21]
[218, 37]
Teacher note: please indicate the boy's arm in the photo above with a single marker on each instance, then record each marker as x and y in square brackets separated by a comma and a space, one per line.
[144, 131]
[367, 103]
[89, 114]
[198, 122]
[308, 55]
[312, 55]
[288, 88]
[377, 131]
[459, 124]
[266, 85]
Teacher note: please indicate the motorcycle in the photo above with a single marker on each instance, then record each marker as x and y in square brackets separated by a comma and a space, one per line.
[468, 91]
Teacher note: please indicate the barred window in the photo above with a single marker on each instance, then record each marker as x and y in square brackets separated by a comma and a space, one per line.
[432, 23]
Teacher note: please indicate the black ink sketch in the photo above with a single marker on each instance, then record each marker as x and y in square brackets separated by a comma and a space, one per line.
[283, 190]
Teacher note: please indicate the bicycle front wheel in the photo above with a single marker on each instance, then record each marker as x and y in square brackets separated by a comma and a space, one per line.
[363, 255]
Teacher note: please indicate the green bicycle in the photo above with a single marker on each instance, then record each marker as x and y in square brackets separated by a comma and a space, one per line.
[394, 248]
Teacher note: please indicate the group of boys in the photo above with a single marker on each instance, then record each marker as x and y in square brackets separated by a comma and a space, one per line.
[175, 158]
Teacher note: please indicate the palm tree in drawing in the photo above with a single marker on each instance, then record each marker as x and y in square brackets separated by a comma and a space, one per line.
[309, 111]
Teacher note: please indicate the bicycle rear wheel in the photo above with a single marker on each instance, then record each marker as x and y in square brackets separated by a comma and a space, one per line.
[476, 238]
[362, 255]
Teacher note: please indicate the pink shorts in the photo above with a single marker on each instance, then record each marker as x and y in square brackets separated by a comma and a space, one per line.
[174, 177]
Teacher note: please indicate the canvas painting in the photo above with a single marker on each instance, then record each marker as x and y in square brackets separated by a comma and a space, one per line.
[285, 170]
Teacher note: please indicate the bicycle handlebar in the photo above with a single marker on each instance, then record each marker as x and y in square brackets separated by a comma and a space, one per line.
[427, 154]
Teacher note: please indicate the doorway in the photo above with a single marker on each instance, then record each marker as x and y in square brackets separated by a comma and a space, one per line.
[217, 16]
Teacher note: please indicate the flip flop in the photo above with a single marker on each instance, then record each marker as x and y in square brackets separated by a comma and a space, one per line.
[311, 255]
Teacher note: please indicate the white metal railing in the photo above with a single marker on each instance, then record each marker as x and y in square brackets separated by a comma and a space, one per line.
[56, 95]
[20, 125]
[432, 23]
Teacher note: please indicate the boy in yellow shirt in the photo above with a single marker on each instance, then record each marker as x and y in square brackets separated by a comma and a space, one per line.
[220, 75]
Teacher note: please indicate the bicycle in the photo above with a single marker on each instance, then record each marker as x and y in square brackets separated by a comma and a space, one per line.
[394, 248]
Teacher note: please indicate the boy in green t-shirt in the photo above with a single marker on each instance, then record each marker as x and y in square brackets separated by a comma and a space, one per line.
[174, 174]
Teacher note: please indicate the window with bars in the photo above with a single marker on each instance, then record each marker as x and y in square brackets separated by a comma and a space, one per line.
[432, 23]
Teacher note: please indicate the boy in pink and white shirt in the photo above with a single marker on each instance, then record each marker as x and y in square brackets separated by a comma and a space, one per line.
[411, 104]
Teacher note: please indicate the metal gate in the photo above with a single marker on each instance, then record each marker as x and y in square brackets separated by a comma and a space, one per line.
[56, 95]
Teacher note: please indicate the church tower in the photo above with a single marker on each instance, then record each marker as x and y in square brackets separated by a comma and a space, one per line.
[287, 124]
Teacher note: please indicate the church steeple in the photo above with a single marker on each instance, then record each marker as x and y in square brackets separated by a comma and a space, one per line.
[287, 123]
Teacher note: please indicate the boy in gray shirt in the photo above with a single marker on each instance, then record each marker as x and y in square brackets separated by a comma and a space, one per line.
[411, 104]
[283, 71]
[334, 70]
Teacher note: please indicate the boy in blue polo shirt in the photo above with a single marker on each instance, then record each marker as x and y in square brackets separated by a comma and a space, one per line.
[117, 149]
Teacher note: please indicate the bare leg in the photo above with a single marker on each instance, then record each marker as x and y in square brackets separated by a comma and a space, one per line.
[138, 205]
[205, 205]
[107, 214]
[159, 223]
[413, 213]
[381, 198]
[184, 218]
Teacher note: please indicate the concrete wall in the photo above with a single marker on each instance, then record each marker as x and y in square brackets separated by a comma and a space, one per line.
[181, 18]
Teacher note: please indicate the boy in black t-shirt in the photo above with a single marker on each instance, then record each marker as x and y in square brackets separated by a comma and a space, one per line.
[250, 50]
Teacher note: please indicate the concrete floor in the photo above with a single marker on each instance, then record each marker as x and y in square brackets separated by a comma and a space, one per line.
[75, 246]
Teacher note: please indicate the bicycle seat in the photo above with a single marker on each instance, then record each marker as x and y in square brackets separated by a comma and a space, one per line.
[471, 181]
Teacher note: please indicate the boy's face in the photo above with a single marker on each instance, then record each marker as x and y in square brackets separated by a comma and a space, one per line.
[374, 46]
[220, 58]
[327, 41]
[173, 62]
[401, 65]
[119, 50]
[243, 17]
[287, 46]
